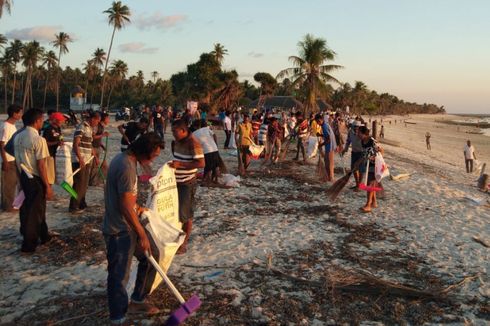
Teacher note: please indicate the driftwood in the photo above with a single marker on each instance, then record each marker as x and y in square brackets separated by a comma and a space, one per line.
[365, 282]
[77, 317]
[480, 241]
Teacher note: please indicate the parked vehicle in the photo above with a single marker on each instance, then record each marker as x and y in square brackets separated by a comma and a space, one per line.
[123, 114]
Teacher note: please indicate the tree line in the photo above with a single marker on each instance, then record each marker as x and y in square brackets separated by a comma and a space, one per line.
[32, 75]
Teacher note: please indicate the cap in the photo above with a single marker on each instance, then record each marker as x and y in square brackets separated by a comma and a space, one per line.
[357, 123]
[58, 116]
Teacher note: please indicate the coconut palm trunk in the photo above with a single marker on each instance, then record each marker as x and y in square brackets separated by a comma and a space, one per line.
[109, 97]
[58, 82]
[13, 86]
[105, 68]
[45, 91]
[5, 100]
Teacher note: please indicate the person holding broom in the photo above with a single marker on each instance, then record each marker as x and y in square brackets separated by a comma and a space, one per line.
[124, 235]
[369, 148]
[99, 148]
[83, 152]
[356, 153]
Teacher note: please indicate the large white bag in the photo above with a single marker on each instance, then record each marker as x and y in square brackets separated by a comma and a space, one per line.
[63, 163]
[164, 198]
[380, 168]
[312, 149]
[166, 239]
[161, 222]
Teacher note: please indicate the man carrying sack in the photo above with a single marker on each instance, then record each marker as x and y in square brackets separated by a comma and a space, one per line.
[123, 233]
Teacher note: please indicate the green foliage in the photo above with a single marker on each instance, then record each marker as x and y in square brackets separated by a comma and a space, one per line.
[268, 84]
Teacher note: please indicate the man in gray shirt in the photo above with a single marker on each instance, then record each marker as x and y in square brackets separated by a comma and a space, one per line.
[123, 233]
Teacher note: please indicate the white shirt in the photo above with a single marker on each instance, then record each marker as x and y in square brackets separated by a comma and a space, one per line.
[469, 152]
[205, 137]
[7, 129]
[29, 148]
[227, 123]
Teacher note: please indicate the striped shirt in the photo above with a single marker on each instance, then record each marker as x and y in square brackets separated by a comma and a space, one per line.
[84, 130]
[186, 150]
[263, 133]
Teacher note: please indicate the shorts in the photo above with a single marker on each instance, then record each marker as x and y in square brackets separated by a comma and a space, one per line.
[187, 192]
[212, 161]
[355, 156]
[245, 149]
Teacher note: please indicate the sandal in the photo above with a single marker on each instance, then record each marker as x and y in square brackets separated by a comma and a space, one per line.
[142, 308]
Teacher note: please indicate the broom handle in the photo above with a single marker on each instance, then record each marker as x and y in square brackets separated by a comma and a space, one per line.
[367, 172]
[78, 170]
[165, 278]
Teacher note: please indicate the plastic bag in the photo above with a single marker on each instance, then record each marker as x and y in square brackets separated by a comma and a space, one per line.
[312, 149]
[256, 150]
[63, 164]
[230, 180]
[380, 168]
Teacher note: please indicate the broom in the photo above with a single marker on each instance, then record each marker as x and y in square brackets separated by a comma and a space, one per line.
[186, 307]
[334, 190]
[320, 166]
[67, 187]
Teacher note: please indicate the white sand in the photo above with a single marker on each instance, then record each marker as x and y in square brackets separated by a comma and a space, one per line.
[429, 213]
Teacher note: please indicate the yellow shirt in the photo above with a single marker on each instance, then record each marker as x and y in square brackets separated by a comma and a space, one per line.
[245, 132]
[315, 128]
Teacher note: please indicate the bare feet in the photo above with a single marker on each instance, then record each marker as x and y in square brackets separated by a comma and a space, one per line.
[366, 209]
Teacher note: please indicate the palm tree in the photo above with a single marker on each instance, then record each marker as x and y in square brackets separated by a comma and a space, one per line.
[154, 75]
[49, 60]
[309, 71]
[3, 40]
[118, 72]
[6, 67]
[98, 59]
[31, 53]
[219, 52]
[14, 52]
[61, 42]
[118, 16]
[5, 4]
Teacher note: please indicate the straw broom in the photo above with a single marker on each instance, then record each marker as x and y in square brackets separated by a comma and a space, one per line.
[320, 166]
[334, 191]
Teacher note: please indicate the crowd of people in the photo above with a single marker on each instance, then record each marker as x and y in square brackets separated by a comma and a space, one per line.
[29, 163]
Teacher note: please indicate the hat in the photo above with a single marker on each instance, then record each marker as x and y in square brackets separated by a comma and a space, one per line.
[357, 123]
[58, 116]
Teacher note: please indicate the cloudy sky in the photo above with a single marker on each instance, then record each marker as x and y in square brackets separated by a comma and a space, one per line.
[434, 51]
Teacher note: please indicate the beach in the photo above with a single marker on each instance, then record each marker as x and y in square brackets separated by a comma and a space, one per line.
[270, 251]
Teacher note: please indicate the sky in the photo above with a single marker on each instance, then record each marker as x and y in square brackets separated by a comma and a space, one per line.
[424, 51]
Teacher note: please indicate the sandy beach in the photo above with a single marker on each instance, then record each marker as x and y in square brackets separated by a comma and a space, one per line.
[271, 251]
